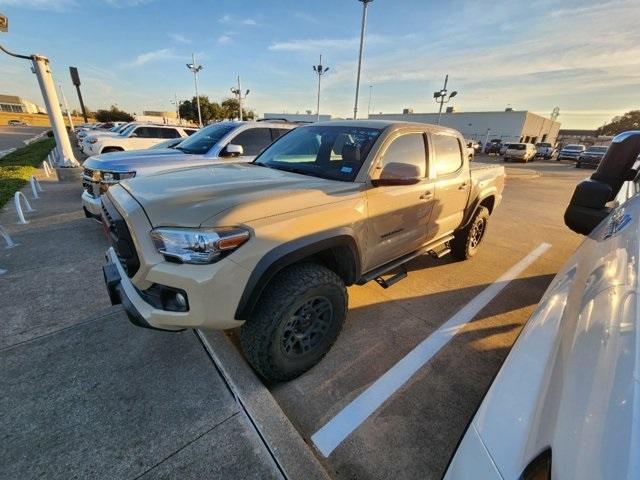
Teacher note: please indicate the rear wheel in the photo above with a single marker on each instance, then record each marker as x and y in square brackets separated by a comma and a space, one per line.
[296, 321]
[466, 242]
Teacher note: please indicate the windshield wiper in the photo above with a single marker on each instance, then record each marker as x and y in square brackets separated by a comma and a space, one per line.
[184, 150]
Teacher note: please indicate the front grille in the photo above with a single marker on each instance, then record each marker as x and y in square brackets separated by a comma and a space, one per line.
[89, 178]
[120, 237]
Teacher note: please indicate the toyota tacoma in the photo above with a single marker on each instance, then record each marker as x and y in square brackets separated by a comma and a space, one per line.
[270, 245]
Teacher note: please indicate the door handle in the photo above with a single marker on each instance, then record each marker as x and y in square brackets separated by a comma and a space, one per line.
[426, 195]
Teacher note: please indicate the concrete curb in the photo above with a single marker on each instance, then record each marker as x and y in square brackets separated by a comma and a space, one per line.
[292, 454]
[68, 174]
[6, 152]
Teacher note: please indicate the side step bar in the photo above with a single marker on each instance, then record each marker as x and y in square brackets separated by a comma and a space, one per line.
[438, 249]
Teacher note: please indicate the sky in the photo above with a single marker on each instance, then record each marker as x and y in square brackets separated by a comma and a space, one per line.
[581, 56]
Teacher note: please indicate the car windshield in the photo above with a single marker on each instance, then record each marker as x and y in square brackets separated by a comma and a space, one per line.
[517, 146]
[544, 145]
[574, 147]
[127, 130]
[203, 140]
[332, 152]
[597, 149]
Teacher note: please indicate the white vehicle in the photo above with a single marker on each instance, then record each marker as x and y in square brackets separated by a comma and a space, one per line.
[217, 143]
[566, 402]
[84, 135]
[137, 137]
[522, 152]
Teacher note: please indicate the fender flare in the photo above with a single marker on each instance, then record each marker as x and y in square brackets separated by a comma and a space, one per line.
[287, 254]
[473, 208]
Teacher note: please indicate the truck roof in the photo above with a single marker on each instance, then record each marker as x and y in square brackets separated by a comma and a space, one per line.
[383, 124]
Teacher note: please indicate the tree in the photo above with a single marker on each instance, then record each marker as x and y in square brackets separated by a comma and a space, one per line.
[114, 114]
[621, 123]
[231, 107]
[210, 111]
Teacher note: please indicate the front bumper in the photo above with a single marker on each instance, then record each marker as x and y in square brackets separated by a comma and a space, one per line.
[590, 161]
[567, 156]
[91, 205]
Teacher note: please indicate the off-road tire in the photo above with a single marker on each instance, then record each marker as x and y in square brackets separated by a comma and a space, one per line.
[264, 335]
[466, 243]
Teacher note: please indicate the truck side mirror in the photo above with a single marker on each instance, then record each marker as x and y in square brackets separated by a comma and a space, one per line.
[232, 150]
[398, 173]
[587, 207]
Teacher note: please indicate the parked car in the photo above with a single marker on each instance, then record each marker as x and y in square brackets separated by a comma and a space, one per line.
[591, 156]
[503, 148]
[219, 142]
[17, 123]
[138, 137]
[522, 152]
[565, 403]
[544, 150]
[271, 245]
[83, 135]
[571, 152]
[493, 146]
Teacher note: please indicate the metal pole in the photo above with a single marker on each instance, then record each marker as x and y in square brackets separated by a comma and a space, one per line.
[66, 106]
[195, 79]
[444, 92]
[175, 96]
[319, 77]
[43, 74]
[84, 110]
[369, 104]
[365, 3]
[239, 99]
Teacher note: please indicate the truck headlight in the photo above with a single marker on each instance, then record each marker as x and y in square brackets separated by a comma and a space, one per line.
[200, 246]
[113, 177]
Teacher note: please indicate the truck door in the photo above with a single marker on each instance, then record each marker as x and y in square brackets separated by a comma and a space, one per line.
[398, 214]
[453, 184]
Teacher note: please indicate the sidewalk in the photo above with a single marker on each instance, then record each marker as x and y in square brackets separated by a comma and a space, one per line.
[87, 395]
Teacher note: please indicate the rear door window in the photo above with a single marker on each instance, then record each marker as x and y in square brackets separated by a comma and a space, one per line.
[169, 133]
[253, 140]
[448, 153]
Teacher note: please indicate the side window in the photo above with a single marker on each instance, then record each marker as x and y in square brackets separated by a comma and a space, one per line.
[189, 131]
[143, 132]
[448, 153]
[408, 148]
[253, 140]
[169, 133]
[277, 133]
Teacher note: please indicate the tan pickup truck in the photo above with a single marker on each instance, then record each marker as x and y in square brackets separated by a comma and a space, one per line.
[271, 245]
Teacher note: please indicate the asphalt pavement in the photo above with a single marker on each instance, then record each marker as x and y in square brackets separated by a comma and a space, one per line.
[13, 137]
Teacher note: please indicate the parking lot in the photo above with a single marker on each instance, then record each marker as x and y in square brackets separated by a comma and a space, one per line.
[421, 411]
[13, 137]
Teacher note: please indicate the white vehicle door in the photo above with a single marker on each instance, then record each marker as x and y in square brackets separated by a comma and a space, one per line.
[142, 137]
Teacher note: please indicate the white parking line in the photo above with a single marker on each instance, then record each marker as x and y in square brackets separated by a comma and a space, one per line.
[334, 432]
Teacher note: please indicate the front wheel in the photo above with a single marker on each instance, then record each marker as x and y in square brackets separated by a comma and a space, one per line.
[296, 321]
[466, 242]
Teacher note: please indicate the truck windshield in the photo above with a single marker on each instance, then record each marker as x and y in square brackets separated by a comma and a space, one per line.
[333, 152]
[203, 140]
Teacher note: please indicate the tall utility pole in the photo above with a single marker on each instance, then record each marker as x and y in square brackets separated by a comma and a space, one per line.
[177, 104]
[66, 106]
[365, 4]
[441, 96]
[40, 66]
[195, 68]
[369, 104]
[320, 70]
[238, 92]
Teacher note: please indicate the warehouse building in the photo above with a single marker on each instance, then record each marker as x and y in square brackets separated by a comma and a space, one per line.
[15, 104]
[296, 117]
[509, 125]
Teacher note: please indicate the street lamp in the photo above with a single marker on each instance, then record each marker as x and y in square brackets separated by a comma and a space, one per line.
[320, 70]
[238, 92]
[441, 96]
[195, 68]
[365, 3]
[369, 104]
[177, 103]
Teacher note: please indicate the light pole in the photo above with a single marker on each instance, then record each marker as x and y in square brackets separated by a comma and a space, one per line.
[66, 106]
[320, 70]
[441, 96]
[238, 91]
[369, 104]
[177, 103]
[195, 68]
[365, 4]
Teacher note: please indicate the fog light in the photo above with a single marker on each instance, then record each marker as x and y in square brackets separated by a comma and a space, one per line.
[181, 301]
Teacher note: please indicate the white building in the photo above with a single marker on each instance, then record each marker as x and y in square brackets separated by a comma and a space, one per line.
[509, 126]
[297, 117]
[15, 104]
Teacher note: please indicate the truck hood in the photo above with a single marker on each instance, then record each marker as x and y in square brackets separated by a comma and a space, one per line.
[229, 194]
[133, 159]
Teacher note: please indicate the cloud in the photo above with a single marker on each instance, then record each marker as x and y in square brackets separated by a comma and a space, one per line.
[56, 6]
[179, 38]
[318, 44]
[232, 19]
[153, 56]
[222, 39]
[305, 17]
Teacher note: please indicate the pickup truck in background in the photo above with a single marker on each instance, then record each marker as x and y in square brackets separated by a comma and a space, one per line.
[545, 150]
[566, 400]
[218, 143]
[571, 152]
[136, 137]
[271, 245]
